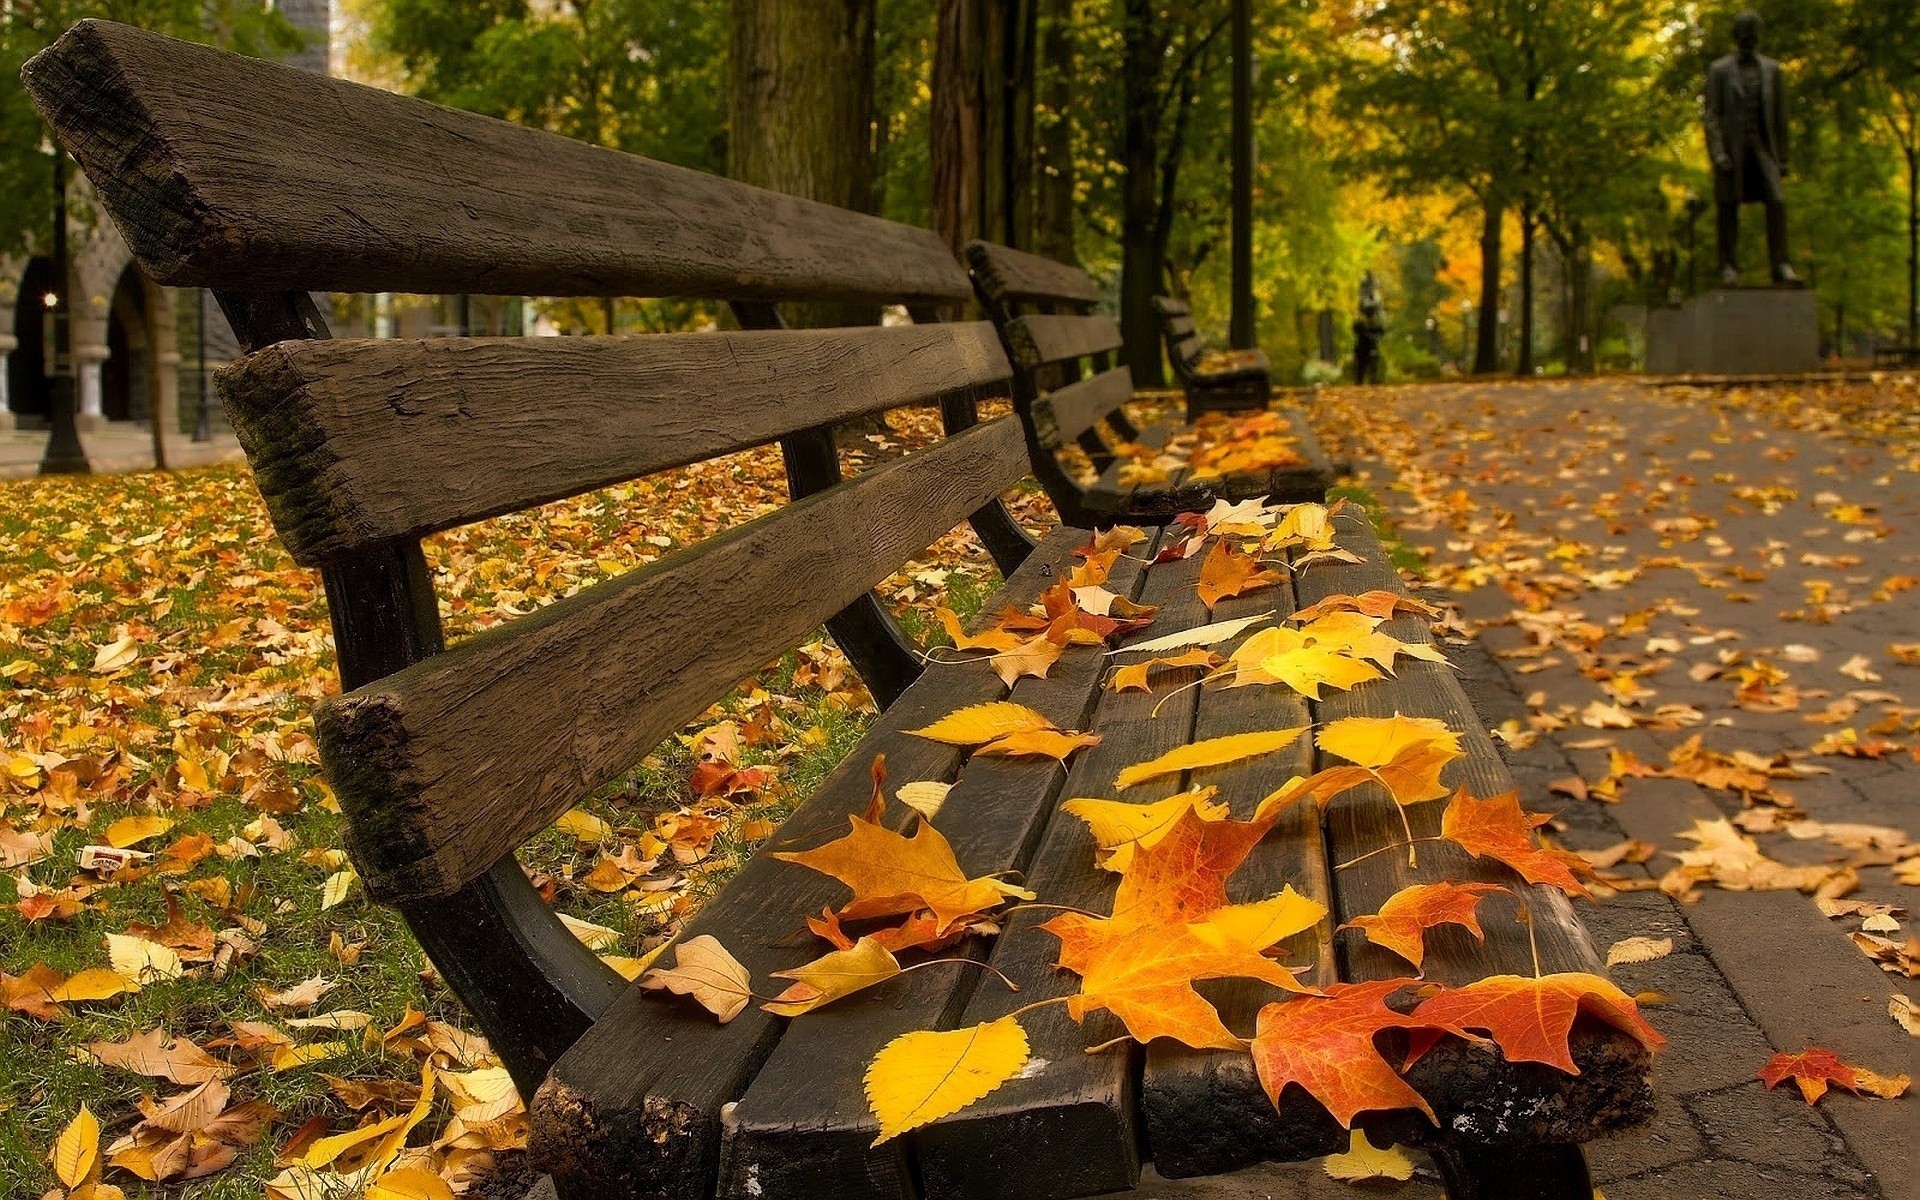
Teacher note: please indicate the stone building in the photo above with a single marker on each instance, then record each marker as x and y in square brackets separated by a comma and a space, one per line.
[137, 347]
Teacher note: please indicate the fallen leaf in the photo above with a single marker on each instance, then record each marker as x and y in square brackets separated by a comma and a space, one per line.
[1209, 752]
[582, 826]
[1815, 1068]
[131, 831]
[154, 1054]
[704, 970]
[892, 874]
[76, 1152]
[922, 1076]
[1402, 922]
[980, 723]
[142, 961]
[1118, 827]
[1227, 572]
[1498, 829]
[1040, 743]
[1325, 1045]
[1364, 1161]
[832, 976]
[1530, 1018]
[924, 797]
[1199, 635]
[1404, 754]
[1638, 950]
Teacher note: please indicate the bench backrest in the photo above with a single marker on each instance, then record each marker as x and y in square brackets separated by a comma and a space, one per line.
[1043, 309]
[265, 182]
[1184, 343]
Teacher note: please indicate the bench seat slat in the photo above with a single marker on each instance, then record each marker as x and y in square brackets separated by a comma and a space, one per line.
[803, 1128]
[635, 1106]
[1205, 1110]
[376, 192]
[1042, 339]
[1011, 276]
[456, 761]
[493, 426]
[1086, 1103]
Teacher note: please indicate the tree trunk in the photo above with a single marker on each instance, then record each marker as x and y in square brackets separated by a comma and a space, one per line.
[1018, 25]
[1486, 352]
[801, 110]
[1523, 367]
[958, 116]
[1140, 141]
[1580, 352]
[1053, 236]
[1913, 237]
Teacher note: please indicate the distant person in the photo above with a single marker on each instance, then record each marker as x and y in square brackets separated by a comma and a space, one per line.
[1746, 123]
[1368, 329]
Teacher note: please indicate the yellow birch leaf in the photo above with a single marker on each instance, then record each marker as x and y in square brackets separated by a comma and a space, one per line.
[1364, 1161]
[1209, 752]
[704, 970]
[924, 797]
[287, 1058]
[923, 1076]
[141, 960]
[979, 723]
[409, 1183]
[832, 976]
[593, 937]
[76, 1153]
[1628, 951]
[334, 891]
[131, 831]
[94, 983]
[583, 826]
[1040, 743]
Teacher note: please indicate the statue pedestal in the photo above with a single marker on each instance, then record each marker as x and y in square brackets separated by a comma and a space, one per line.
[1736, 331]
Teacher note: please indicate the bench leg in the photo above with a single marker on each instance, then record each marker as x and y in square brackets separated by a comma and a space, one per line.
[1475, 1172]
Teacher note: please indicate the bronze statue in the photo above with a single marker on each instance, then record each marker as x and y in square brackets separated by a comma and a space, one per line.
[1746, 119]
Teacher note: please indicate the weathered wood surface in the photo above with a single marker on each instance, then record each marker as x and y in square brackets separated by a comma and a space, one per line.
[1037, 340]
[803, 1129]
[372, 192]
[1010, 276]
[1479, 1097]
[493, 426]
[1205, 1110]
[1082, 1108]
[1167, 306]
[456, 761]
[1065, 413]
[1158, 503]
[635, 1107]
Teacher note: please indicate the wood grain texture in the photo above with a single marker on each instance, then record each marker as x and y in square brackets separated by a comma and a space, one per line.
[231, 172]
[1205, 1110]
[494, 425]
[1069, 1125]
[803, 1128]
[456, 761]
[1034, 341]
[635, 1108]
[1010, 276]
[1478, 1095]
[1065, 413]
[1167, 306]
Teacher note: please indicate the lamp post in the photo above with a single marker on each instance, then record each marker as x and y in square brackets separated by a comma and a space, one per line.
[1466, 327]
[64, 454]
[203, 420]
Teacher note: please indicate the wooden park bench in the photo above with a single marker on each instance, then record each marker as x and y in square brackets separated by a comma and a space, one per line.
[1214, 380]
[222, 173]
[1044, 311]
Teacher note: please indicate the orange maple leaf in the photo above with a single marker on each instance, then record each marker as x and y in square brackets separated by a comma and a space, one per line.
[1814, 1068]
[1402, 922]
[1228, 572]
[1499, 830]
[1530, 1018]
[892, 875]
[1133, 677]
[1325, 1044]
[1182, 877]
[993, 637]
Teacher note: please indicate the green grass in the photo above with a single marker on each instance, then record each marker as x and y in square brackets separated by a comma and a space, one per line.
[1409, 559]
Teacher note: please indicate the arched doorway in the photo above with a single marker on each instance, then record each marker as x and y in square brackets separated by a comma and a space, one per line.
[28, 391]
[123, 377]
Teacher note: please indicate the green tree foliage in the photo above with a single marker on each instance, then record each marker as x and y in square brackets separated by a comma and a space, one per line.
[28, 27]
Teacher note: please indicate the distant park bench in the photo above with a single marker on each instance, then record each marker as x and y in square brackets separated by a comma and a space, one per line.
[1043, 310]
[1214, 380]
[265, 183]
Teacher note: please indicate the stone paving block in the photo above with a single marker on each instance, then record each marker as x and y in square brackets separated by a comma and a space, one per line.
[1774, 1128]
[1670, 1138]
[1728, 1179]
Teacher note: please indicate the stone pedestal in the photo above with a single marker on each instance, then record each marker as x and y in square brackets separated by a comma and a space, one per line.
[1736, 331]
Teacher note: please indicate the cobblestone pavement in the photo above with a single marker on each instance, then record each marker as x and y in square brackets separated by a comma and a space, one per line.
[1684, 550]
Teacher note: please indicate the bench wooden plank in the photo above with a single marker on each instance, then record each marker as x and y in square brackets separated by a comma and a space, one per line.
[1477, 1095]
[493, 426]
[1205, 1110]
[635, 1106]
[1065, 413]
[454, 762]
[231, 172]
[1042, 338]
[803, 1128]
[1084, 1105]
[1010, 276]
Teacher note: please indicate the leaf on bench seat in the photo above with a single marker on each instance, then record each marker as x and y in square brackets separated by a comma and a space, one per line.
[1401, 924]
[1120, 828]
[979, 723]
[1210, 752]
[833, 975]
[1531, 1018]
[1325, 1044]
[1498, 829]
[1228, 572]
[705, 971]
[922, 1076]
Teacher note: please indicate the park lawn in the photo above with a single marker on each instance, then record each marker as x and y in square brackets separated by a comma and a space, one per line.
[159, 658]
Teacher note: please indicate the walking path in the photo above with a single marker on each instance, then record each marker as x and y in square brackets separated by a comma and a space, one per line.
[121, 446]
[1640, 568]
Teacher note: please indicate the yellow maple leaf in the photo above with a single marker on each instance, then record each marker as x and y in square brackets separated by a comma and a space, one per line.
[1405, 754]
[1209, 752]
[923, 1076]
[1119, 828]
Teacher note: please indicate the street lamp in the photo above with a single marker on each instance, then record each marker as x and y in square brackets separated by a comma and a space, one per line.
[64, 454]
[1466, 325]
